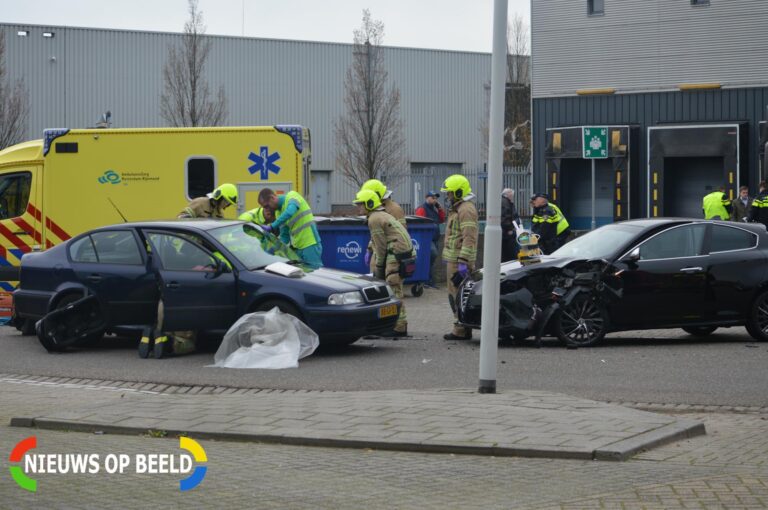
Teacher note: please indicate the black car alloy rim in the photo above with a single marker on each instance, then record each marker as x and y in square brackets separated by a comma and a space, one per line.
[582, 321]
[762, 314]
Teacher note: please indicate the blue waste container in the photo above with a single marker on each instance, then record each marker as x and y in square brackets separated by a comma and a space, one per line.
[346, 239]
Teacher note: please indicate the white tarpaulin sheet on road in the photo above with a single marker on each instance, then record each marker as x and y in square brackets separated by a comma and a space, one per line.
[270, 339]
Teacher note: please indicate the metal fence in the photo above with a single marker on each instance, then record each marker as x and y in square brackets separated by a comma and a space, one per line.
[410, 190]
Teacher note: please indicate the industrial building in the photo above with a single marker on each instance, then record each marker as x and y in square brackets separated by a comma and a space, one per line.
[680, 85]
[75, 74]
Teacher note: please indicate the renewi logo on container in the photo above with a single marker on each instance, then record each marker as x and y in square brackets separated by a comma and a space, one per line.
[351, 250]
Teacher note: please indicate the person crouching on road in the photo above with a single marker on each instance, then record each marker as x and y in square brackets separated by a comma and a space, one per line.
[295, 225]
[389, 205]
[460, 246]
[549, 224]
[392, 246]
[211, 205]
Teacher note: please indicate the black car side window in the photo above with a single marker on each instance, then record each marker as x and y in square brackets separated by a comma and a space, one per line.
[685, 241]
[179, 254]
[116, 247]
[82, 250]
[730, 239]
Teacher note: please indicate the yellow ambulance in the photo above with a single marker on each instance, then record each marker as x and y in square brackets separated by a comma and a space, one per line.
[74, 180]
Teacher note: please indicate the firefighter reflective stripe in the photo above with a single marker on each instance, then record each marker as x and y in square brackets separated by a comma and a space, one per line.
[715, 206]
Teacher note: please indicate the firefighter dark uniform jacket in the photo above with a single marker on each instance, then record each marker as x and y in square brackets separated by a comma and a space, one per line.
[551, 227]
[389, 239]
[461, 232]
[716, 206]
[201, 207]
[393, 208]
[759, 211]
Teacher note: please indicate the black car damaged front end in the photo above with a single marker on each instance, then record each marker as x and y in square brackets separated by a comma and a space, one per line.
[530, 296]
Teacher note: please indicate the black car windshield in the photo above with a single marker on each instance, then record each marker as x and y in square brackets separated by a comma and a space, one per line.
[603, 243]
[252, 247]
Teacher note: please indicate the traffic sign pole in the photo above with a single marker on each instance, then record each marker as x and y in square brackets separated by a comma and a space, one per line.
[594, 146]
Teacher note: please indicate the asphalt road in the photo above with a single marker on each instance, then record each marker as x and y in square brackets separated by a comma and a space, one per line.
[660, 366]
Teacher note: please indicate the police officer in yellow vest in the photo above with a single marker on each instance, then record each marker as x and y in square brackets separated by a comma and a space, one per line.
[295, 223]
[460, 247]
[392, 247]
[716, 205]
[389, 205]
[211, 205]
[549, 224]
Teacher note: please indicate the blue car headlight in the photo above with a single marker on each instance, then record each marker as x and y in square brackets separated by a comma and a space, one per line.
[345, 298]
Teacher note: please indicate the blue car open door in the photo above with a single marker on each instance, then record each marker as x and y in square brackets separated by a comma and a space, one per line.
[198, 290]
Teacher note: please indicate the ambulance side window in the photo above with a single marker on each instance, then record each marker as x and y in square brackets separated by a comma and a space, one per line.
[201, 176]
[14, 194]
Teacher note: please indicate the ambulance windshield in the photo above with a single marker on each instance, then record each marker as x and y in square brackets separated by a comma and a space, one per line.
[252, 246]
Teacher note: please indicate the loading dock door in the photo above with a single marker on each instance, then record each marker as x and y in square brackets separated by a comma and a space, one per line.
[687, 181]
[686, 162]
[569, 176]
[576, 192]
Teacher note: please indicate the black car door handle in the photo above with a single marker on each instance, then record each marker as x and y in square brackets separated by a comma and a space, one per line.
[95, 278]
[692, 270]
[22, 233]
[172, 285]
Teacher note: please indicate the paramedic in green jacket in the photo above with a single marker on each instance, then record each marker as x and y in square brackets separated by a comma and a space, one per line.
[295, 223]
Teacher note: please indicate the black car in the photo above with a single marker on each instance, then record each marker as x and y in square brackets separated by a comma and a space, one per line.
[208, 273]
[642, 274]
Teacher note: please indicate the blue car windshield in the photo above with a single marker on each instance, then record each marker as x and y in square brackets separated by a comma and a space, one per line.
[603, 243]
[252, 247]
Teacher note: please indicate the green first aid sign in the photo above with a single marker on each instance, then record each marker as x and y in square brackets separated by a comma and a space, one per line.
[595, 142]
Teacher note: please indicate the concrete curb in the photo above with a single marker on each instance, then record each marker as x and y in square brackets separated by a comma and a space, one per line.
[626, 448]
[620, 451]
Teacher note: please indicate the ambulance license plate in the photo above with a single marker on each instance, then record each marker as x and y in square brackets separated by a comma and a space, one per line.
[387, 311]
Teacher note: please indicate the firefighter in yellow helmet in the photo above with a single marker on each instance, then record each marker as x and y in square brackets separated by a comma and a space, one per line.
[390, 206]
[211, 205]
[392, 249]
[460, 248]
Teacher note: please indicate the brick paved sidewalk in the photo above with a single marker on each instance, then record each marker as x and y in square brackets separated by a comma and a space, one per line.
[517, 423]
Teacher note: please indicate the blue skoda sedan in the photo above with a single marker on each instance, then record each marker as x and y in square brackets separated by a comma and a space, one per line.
[208, 274]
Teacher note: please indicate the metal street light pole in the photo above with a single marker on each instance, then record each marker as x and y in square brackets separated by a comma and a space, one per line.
[489, 321]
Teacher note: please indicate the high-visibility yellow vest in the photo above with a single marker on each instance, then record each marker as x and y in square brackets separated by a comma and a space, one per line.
[300, 224]
[714, 206]
[557, 218]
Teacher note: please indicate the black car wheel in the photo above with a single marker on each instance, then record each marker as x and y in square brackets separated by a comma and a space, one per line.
[52, 347]
[757, 322]
[583, 322]
[700, 330]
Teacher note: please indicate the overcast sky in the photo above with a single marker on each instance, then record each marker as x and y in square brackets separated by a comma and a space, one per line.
[443, 24]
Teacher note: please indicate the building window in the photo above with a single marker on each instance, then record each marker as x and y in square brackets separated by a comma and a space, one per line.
[201, 177]
[699, 2]
[595, 7]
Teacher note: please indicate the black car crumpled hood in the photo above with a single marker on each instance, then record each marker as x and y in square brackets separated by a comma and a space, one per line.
[527, 291]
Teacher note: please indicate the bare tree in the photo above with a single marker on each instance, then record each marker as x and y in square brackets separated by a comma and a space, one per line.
[369, 135]
[14, 105]
[187, 99]
[517, 98]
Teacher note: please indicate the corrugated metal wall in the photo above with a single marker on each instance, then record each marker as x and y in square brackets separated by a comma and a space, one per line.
[80, 73]
[647, 45]
[727, 106]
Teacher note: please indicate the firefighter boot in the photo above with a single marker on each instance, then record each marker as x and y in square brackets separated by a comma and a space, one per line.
[163, 346]
[147, 342]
